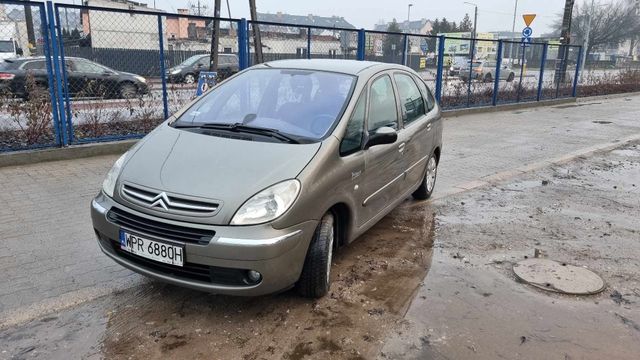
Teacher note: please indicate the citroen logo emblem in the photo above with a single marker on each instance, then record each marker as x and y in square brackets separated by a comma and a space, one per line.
[160, 200]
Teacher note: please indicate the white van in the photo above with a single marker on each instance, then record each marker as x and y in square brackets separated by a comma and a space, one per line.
[8, 49]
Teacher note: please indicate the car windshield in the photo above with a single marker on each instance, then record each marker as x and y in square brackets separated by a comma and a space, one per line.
[6, 46]
[304, 104]
[192, 60]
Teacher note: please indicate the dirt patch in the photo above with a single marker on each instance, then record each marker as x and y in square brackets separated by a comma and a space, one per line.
[373, 280]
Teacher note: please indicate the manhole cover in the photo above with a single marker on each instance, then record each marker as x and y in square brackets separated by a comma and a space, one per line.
[559, 277]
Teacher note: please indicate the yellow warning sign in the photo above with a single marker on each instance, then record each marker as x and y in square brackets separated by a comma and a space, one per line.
[528, 18]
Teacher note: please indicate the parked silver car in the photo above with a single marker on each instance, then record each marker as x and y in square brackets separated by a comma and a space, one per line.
[249, 189]
[485, 70]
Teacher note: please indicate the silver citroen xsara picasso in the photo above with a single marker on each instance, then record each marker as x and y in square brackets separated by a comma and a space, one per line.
[250, 189]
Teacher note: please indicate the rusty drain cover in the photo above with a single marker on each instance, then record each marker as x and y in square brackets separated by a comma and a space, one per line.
[558, 277]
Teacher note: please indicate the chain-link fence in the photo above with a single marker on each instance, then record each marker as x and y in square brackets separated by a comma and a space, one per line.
[610, 72]
[111, 73]
[26, 109]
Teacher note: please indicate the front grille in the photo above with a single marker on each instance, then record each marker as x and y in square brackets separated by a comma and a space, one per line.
[159, 229]
[171, 203]
[190, 271]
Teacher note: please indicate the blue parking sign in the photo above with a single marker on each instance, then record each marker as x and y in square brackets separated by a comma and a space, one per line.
[206, 81]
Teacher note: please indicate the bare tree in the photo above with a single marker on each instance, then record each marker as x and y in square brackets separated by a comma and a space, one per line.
[611, 24]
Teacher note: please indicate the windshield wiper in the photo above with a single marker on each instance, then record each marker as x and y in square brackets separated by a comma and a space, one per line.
[238, 127]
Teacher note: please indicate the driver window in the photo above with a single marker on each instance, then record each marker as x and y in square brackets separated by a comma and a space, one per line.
[382, 105]
[87, 67]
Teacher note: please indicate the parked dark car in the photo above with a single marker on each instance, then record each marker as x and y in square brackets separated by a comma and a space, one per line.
[189, 70]
[86, 78]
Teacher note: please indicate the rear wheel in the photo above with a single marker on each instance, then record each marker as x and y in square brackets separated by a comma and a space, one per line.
[425, 189]
[511, 77]
[315, 278]
[488, 78]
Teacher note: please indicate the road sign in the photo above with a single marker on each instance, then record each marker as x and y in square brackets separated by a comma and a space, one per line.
[424, 46]
[526, 32]
[206, 81]
[528, 18]
[526, 41]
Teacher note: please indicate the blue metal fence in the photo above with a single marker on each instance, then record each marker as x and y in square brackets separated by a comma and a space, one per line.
[99, 43]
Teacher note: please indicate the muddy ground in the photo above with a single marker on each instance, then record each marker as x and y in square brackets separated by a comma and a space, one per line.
[432, 280]
[471, 306]
[374, 280]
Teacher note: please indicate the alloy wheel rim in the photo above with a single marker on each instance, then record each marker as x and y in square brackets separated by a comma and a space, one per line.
[189, 79]
[431, 173]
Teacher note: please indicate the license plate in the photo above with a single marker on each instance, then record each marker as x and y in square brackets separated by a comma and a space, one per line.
[150, 249]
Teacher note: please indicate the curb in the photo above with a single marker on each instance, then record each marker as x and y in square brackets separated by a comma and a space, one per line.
[502, 176]
[605, 97]
[67, 153]
[506, 107]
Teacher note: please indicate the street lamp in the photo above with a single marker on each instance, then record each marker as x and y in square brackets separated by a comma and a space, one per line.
[513, 30]
[408, 15]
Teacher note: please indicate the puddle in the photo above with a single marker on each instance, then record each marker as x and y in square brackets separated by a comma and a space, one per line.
[374, 279]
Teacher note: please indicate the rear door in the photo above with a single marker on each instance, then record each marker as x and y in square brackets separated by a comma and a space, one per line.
[38, 70]
[417, 125]
[383, 163]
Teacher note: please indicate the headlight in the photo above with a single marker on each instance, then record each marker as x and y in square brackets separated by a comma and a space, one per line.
[268, 204]
[175, 71]
[140, 78]
[109, 183]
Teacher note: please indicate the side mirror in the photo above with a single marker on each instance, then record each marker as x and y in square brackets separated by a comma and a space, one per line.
[19, 52]
[384, 135]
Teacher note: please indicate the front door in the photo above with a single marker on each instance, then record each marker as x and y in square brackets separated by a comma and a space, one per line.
[383, 163]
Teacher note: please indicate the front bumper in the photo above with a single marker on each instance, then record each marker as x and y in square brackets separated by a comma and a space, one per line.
[278, 254]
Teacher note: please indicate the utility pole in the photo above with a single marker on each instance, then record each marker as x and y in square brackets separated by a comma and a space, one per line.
[587, 34]
[565, 39]
[409, 16]
[513, 29]
[28, 18]
[215, 36]
[474, 34]
[257, 42]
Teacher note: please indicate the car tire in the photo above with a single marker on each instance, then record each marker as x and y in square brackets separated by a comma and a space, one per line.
[511, 77]
[488, 78]
[425, 189]
[189, 79]
[128, 90]
[314, 281]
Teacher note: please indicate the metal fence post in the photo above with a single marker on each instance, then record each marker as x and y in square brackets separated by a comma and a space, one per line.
[361, 44]
[309, 42]
[496, 81]
[522, 69]
[439, 71]
[242, 44]
[405, 45]
[58, 76]
[50, 77]
[65, 79]
[473, 52]
[163, 75]
[574, 92]
[542, 65]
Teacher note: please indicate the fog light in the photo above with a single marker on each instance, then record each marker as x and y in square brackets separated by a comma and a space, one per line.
[254, 276]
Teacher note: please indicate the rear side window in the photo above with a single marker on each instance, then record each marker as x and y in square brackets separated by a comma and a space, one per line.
[410, 98]
[34, 65]
[352, 141]
[427, 94]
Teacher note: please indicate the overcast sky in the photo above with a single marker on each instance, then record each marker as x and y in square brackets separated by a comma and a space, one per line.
[493, 15]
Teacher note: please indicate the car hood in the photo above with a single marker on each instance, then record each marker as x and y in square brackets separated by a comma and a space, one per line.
[228, 171]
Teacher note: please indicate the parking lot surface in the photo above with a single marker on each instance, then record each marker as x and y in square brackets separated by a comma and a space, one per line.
[60, 295]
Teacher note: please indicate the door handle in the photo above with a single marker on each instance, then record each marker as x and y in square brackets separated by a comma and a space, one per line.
[401, 148]
[429, 127]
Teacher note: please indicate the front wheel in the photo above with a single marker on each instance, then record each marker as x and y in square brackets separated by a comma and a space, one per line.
[128, 90]
[511, 77]
[425, 189]
[314, 281]
[488, 78]
[189, 79]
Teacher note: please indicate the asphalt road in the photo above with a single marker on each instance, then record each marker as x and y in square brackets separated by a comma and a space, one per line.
[59, 295]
